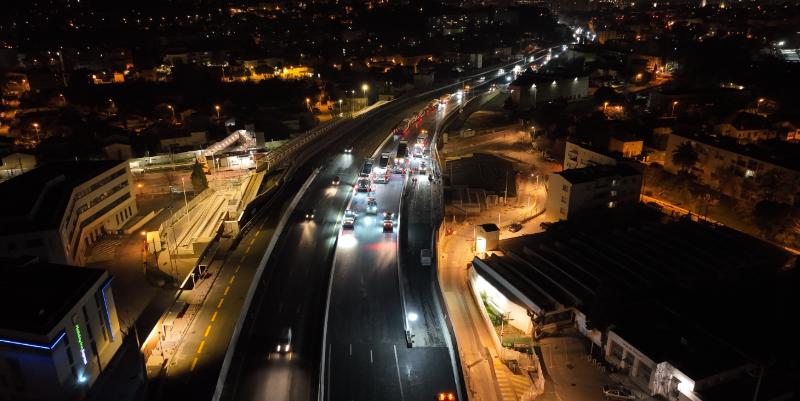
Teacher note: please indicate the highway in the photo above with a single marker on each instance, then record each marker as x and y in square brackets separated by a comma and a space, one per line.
[294, 288]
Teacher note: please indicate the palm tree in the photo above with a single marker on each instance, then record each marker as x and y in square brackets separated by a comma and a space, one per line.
[685, 156]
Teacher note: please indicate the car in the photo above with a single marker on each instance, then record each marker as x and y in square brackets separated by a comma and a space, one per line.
[336, 180]
[446, 397]
[545, 225]
[348, 149]
[349, 220]
[388, 226]
[482, 79]
[514, 227]
[618, 393]
[372, 206]
[310, 214]
[285, 341]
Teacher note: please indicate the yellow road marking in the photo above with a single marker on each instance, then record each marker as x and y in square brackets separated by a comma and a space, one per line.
[208, 329]
[194, 362]
[242, 258]
[233, 278]
[248, 249]
[258, 233]
[200, 348]
[221, 300]
[214, 316]
[252, 241]
[226, 290]
[237, 268]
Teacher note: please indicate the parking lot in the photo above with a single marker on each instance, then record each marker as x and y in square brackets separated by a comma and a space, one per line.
[570, 376]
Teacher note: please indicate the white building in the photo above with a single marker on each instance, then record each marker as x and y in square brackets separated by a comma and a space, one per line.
[576, 190]
[59, 330]
[580, 156]
[58, 210]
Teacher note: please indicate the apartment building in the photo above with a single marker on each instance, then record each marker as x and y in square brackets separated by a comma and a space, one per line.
[748, 163]
[746, 128]
[58, 210]
[582, 155]
[577, 190]
[59, 329]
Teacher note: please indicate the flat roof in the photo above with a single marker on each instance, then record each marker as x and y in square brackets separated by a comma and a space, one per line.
[39, 197]
[777, 152]
[592, 173]
[34, 297]
[530, 77]
[638, 270]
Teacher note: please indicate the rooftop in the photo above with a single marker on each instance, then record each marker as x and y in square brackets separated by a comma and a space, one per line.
[593, 173]
[774, 151]
[529, 78]
[34, 296]
[637, 269]
[38, 197]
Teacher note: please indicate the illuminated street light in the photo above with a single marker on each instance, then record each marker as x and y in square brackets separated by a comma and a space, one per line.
[308, 104]
[758, 105]
[36, 128]
[217, 108]
[364, 89]
[675, 103]
[172, 110]
[605, 104]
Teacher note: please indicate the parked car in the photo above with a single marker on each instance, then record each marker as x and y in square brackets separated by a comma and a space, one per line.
[514, 227]
[617, 392]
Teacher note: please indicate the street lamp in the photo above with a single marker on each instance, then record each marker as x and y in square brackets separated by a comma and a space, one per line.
[758, 105]
[36, 128]
[308, 104]
[217, 108]
[675, 103]
[605, 104]
[340, 106]
[353, 103]
[364, 89]
[140, 185]
[185, 203]
[172, 110]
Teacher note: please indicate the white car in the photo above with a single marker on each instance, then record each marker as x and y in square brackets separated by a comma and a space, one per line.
[372, 206]
[349, 220]
[618, 393]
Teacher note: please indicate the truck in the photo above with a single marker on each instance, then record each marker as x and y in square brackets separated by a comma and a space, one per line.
[402, 152]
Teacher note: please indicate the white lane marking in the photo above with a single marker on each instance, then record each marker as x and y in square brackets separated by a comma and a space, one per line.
[351, 349]
[280, 307]
[399, 381]
[370, 356]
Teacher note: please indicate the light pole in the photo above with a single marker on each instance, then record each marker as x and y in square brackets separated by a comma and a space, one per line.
[172, 110]
[534, 95]
[758, 104]
[185, 202]
[217, 108]
[308, 104]
[140, 185]
[364, 89]
[675, 103]
[36, 128]
[353, 103]
[340, 106]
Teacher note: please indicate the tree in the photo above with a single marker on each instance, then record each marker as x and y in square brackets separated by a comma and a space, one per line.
[199, 181]
[773, 218]
[773, 186]
[728, 182]
[685, 156]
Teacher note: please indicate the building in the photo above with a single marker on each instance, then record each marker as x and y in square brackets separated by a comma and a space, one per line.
[662, 299]
[532, 88]
[747, 163]
[746, 128]
[59, 329]
[629, 147]
[15, 164]
[58, 210]
[583, 155]
[180, 140]
[571, 192]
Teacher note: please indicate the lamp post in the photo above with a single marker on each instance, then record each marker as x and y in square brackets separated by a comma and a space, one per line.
[172, 110]
[185, 202]
[675, 103]
[308, 104]
[364, 89]
[340, 106]
[758, 104]
[353, 103]
[217, 108]
[140, 185]
[605, 104]
[36, 128]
